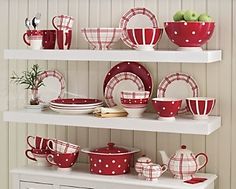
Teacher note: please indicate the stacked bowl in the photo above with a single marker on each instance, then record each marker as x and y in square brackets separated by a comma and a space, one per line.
[134, 102]
[75, 105]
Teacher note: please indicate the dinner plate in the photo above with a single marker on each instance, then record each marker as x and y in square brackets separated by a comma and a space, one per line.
[54, 86]
[75, 108]
[178, 85]
[66, 111]
[136, 18]
[76, 102]
[120, 82]
[133, 67]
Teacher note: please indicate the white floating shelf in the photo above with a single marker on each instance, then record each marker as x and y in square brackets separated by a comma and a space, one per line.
[208, 56]
[149, 122]
[81, 174]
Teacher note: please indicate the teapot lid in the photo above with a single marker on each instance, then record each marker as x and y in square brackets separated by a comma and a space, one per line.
[183, 150]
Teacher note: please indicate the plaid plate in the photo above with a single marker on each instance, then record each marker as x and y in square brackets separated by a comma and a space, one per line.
[101, 38]
[169, 79]
[130, 14]
[109, 96]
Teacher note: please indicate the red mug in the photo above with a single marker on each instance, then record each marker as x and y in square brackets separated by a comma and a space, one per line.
[33, 38]
[39, 156]
[66, 160]
[64, 39]
[49, 39]
[37, 142]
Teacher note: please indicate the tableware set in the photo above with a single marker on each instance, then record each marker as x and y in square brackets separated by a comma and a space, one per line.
[46, 39]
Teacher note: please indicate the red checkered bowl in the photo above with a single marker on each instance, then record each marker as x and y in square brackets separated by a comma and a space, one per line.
[189, 35]
[59, 146]
[135, 94]
[102, 38]
[166, 108]
[144, 38]
[134, 103]
[200, 107]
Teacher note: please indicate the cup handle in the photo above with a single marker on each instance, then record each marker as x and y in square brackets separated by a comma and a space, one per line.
[53, 22]
[204, 163]
[25, 39]
[49, 146]
[28, 156]
[50, 160]
[164, 168]
[28, 141]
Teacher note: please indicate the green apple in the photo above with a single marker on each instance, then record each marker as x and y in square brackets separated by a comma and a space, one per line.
[190, 16]
[179, 16]
[204, 18]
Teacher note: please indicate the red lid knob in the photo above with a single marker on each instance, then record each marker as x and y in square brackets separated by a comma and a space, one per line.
[183, 147]
[111, 145]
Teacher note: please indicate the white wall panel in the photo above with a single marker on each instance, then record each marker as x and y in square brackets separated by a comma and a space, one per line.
[85, 79]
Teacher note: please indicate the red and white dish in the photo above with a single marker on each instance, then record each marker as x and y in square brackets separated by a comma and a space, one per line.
[200, 107]
[101, 38]
[178, 85]
[121, 81]
[72, 111]
[60, 146]
[76, 102]
[54, 86]
[135, 94]
[132, 67]
[136, 18]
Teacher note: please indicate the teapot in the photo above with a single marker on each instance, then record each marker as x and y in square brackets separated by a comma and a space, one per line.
[183, 164]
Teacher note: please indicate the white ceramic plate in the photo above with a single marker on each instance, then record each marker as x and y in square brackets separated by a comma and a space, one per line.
[54, 86]
[68, 111]
[120, 82]
[178, 85]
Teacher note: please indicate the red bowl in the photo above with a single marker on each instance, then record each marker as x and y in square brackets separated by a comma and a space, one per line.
[200, 107]
[189, 34]
[145, 38]
[167, 108]
[134, 103]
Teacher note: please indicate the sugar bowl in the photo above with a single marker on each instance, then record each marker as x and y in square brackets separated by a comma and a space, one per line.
[141, 163]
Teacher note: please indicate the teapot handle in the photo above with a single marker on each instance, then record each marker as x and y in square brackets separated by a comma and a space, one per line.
[205, 162]
[164, 168]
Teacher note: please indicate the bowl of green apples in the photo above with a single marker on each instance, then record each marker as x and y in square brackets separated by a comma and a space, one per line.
[190, 30]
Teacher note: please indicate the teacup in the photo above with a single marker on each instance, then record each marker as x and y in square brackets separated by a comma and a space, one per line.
[59, 146]
[33, 38]
[49, 39]
[64, 39]
[38, 155]
[63, 160]
[37, 142]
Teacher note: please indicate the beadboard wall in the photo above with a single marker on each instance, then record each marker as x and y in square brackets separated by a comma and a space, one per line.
[86, 79]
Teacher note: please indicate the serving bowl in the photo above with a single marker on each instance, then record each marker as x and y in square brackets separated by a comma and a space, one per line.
[144, 38]
[102, 38]
[200, 107]
[166, 108]
[189, 35]
[134, 94]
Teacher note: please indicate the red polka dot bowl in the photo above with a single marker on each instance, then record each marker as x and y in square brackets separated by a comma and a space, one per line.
[189, 35]
[200, 107]
[166, 108]
[144, 38]
[110, 160]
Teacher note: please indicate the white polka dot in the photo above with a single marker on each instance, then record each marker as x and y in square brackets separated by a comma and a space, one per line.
[95, 165]
[109, 73]
[71, 164]
[187, 40]
[113, 172]
[99, 160]
[193, 32]
[124, 171]
[203, 23]
[158, 112]
[91, 159]
[128, 62]
[171, 113]
[166, 24]
[113, 161]
[118, 67]
[128, 165]
[66, 159]
[57, 155]
[209, 33]
[199, 40]
[100, 171]
[175, 32]
[173, 40]
[135, 101]
[59, 164]
[74, 154]
[125, 160]
[164, 108]
[178, 108]
[91, 170]
[107, 165]
[172, 102]
[185, 23]
[118, 150]
[119, 166]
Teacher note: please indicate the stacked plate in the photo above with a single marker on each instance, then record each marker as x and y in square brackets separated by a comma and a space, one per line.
[75, 105]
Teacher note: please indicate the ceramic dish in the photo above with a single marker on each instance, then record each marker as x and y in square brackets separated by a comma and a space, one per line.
[136, 18]
[54, 86]
[121, 81]
[72, 111]
[178, 85]
[75, 102]
[134, 68]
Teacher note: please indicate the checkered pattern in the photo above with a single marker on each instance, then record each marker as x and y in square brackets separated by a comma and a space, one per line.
[174, 77]
[130, 14]
[154, 171]
[115, 80]
[56, 74]
[59, 146]
[63, 22]
[135, 94]
[101, 38]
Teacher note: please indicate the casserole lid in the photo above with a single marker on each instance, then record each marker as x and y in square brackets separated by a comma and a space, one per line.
[110, 149]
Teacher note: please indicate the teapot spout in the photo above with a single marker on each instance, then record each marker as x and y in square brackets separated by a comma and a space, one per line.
[164, 157]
